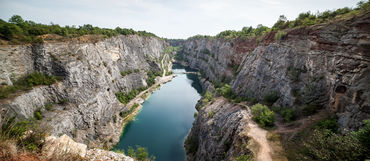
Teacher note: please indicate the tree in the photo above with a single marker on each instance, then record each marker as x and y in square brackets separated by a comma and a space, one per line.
[16, 19]
[280, 24]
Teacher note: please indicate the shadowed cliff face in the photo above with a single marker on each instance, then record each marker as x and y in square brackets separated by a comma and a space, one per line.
[327, 65]
[219, 132]
[84, 102]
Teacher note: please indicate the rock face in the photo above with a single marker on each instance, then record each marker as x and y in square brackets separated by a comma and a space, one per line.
[84, 103]
[327, 65]
[60, 146]
[219, 132]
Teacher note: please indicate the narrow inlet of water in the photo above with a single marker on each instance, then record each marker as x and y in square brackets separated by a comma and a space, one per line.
[165, 119]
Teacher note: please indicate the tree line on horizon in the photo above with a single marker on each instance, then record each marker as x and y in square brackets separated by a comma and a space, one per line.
[303, 19]
[18, 31]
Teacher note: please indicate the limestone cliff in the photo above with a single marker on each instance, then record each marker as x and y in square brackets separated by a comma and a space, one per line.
[327, 65]
[84, 103]
[219, 132]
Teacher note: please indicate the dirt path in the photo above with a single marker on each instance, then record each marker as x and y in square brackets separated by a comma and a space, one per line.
[298, 125]
[259, 136]
[164, 70]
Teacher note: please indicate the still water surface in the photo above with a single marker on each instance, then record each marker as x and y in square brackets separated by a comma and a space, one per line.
[165, 119]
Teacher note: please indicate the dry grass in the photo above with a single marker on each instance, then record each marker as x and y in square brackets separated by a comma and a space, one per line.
[67, 157]
[8, 149]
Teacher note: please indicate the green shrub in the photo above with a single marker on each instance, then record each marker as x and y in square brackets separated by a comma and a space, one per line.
[363, 135]
[48, 106]
[263, 115]
[309, 109]
[63, 101]
[271, 98]
[168, 73]
[127, 97]
[124, 73]
[325, 145]
[208, 95]
[329, 124]
[140, 154]
[151, 77]
[126, 113]
[38, 114]
[195, 114]
[288, 114]
[280, 35]
[121, 151]
[211, 114]
[135, 105]
[226, 91]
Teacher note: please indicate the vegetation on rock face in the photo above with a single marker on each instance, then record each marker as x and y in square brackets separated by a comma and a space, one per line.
[226, 91]
[244, 158]
[288, 114]
[326, 145]
[151, 77]
[26, 83]
[17, 31]
[38, 114]
[123, 114]
[127, 72]
[19, 137]
[127, 97]
[263, 115]
[271, 97]
[140, 154]
[191, 145]
[208, 97]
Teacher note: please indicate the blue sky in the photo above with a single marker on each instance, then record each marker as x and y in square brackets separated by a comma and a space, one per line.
[166, 18]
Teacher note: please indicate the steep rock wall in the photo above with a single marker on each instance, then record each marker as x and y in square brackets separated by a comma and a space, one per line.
[84, 102]
[327, 65]
[219, 132]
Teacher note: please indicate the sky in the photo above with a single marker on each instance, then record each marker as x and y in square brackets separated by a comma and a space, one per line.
[166, 18]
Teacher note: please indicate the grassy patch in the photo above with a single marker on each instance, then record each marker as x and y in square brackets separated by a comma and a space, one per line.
[211, 114]
[280, 35]
[26, 83]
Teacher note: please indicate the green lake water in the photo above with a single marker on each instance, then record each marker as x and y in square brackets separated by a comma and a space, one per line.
[165, 119]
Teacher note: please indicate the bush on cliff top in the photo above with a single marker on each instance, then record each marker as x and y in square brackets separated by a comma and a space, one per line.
[18, 31]
[303, 19]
